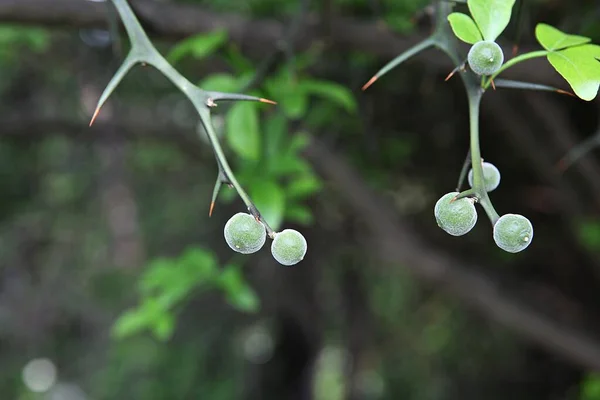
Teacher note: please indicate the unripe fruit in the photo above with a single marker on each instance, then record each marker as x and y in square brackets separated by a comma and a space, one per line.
[485, 58]
[455, 217]
[245, 234]
[288, 247]
[491, 176]
[513, 233]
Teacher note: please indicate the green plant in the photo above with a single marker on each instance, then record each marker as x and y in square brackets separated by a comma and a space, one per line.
[242, 122]
[289, 247]
[455, 216]
[572, 56]
[167, 282]
[244, 234]
[513, 233]
[491, 176]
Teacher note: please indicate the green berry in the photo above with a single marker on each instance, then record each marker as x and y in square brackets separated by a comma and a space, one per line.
[455, 217]
[485, 58]
[288, 247]
[491, 176]
[513, 233]
[244, 234]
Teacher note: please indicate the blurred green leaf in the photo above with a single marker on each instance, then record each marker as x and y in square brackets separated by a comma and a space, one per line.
[164, 326]
[464, 28]
[243, 133]
[220, 83]
[198, 46]
[238, 293]
[244, 299]
[589, 234]
[269, 198]
[240, 63]
[129, 323]
[591, 388]
[553, 39]
[294, 102]
[330, 91]
[303, 186]
[299, 213]
[491, 16]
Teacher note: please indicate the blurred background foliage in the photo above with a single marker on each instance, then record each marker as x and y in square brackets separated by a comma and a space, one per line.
[113, 271]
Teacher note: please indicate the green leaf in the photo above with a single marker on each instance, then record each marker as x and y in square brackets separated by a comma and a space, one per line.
[590, 387]
[464, 28]
[220, 83]
[491, 16]
[198, 46]
[299, 213]
[553, 39]
[163, 327]
[237, 292]
[129, 323]
[243, 130]
[269, 198]
[331, 91]
[244, 299]
[303, 187]
[580, 67]
[294, 102]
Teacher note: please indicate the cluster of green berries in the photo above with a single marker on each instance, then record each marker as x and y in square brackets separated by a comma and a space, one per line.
[485, 57]
[512, 232]
[246, 235]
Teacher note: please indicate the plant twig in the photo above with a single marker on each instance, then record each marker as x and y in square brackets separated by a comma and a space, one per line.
[143, 51]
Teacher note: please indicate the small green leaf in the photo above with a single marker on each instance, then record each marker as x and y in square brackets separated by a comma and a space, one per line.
[269, 198]
[590, 387]
[553, 39]
[580, 67]
[163, 326]
[331, 91]
[294, 102]
[464, 28]
[220, 83]
[244, 299]
[237, 292]
[243, 130]
[491, 16]
[303, 187]
[198, 46]
[129, 323]
[299, 213]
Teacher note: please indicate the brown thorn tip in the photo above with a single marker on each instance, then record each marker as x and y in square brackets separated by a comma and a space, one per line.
[450, 75]
[565, 92]
[267, 101]
[366, 85]
[94, 116]
[515, 50]
[493, 84]
[212, 206]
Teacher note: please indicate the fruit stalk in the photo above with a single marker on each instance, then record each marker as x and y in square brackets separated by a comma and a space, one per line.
[474, 94]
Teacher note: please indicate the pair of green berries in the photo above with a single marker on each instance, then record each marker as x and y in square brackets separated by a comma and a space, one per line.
[485, 58]
[512, 232]
[246, 235]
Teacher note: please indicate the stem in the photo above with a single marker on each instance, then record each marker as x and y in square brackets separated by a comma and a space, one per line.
[474, 95]
[514, 61]
[222, 161]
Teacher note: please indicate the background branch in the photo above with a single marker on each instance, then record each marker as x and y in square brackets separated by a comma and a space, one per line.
[255, 37]
[394, 239]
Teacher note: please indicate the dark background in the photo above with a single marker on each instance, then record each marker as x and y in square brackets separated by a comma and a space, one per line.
[385, 304]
